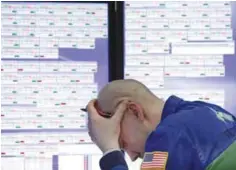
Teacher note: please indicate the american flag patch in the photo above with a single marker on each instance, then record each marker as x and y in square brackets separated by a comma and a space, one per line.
[154, 161]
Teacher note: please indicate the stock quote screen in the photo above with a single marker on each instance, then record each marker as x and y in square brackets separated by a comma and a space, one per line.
[54, 60]
[183, 48]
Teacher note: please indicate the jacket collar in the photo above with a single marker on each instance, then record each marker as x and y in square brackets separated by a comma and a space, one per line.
[171, 106]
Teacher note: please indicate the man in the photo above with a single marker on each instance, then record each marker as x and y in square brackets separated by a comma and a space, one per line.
[172, 135]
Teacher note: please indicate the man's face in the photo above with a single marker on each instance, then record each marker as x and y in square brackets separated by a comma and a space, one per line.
[133, 132]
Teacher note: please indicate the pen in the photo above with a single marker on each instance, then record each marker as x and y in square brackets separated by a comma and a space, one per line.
[84, 110]
[101, 113]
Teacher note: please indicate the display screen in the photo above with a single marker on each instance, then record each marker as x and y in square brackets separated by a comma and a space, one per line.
[54, 60]
[183, 48]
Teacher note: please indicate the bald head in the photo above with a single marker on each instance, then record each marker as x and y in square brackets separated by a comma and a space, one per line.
[141, 115]
[118, 90]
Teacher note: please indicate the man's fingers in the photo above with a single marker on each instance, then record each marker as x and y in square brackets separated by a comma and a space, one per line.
[91, 104]
[92, 111]
[119, 112]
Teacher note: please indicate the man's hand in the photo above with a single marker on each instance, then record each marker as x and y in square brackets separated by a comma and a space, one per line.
[105, 132]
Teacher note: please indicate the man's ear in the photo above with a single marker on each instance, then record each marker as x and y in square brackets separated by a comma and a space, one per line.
[137, 110]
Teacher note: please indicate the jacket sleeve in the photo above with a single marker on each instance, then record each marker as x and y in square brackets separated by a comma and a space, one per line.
[113, 161]
[170, 149]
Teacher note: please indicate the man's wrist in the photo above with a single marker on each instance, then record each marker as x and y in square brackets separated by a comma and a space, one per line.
[111, 150]
[110, 147]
